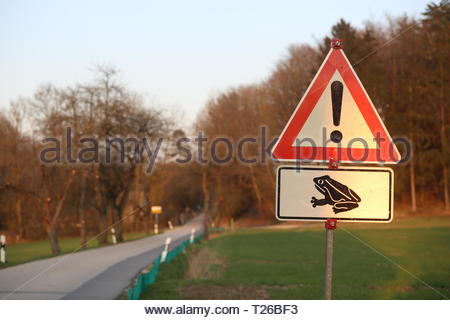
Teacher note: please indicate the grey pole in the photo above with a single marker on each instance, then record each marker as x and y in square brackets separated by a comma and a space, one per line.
[329, 264]
[330, 225]
[155, 227]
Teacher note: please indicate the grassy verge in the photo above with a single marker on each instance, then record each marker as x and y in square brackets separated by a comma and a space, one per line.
[29, 251]
[289, 264]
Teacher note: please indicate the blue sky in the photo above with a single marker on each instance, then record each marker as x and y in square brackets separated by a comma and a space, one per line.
[177, 53]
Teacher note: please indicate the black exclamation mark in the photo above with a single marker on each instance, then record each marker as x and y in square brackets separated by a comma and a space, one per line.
[336, 101]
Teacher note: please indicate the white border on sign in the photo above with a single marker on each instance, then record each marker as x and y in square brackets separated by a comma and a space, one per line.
[348, 168]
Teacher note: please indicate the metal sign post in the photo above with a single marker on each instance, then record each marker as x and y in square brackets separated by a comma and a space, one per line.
[156, 211]
[330, 225]
[155, 227]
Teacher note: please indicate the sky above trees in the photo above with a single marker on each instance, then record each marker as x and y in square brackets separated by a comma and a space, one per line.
[178, 54]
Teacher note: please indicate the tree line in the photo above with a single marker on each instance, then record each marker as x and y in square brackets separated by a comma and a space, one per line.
[40, 199]
[403, 65]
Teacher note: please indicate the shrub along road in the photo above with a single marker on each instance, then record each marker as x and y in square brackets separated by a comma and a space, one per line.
[101, 273]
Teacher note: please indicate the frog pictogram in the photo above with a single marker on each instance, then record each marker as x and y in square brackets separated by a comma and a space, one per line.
[338, 195]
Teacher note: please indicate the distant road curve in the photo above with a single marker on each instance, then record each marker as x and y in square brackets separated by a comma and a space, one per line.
[101, 273]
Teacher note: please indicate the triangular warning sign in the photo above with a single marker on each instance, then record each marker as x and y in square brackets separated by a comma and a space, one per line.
[336, 119]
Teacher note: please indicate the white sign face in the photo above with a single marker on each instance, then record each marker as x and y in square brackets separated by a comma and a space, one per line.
[352, 194]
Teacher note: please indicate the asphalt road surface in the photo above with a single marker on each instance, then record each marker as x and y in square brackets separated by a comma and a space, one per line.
[101, 273]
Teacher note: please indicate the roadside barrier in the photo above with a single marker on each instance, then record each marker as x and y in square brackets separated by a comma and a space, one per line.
[146, 279]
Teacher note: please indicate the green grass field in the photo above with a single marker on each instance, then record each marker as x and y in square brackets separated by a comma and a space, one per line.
[289, 264]
[28, 251]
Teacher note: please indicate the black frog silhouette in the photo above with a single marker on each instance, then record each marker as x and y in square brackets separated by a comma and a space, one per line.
[337, 195]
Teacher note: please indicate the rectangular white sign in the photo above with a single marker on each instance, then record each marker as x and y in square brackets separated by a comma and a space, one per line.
[354, 194]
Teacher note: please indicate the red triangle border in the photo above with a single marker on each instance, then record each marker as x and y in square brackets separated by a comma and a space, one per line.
[284, 151]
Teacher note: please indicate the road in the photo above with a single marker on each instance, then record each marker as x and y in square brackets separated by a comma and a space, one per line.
[101, 273]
